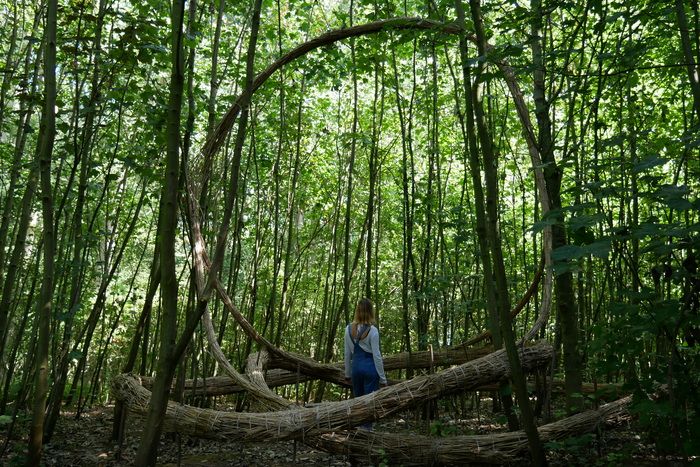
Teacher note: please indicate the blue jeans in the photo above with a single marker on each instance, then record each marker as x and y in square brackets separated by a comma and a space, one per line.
[365, 378]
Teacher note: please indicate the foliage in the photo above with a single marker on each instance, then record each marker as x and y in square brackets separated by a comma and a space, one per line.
[442, 428]
[574, 446]
[642, 342]
[625, 146]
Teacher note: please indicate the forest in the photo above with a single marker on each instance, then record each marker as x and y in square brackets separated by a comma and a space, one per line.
[196, 196]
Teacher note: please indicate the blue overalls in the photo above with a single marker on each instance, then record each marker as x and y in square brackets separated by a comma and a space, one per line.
[365, 378]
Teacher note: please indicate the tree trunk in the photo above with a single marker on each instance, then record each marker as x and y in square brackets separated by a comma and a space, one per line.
[407, 205]
[9, 68]
[347, 275]
[566, 301]
[691, 66]
[44, 306]
[147, 451]
[77, 266]
[291, 213]
[7, 273]
[277, 239]
[494, 242]
[26, 109]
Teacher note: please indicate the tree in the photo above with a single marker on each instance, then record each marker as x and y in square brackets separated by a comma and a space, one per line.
[167, 357]
[44, 305]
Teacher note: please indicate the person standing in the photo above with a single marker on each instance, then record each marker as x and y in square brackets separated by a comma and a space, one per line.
[364, 366]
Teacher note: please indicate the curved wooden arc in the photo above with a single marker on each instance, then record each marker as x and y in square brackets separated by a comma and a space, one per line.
[222, 130]
[218, 136]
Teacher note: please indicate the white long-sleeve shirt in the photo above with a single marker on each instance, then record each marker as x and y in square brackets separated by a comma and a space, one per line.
[369, 344]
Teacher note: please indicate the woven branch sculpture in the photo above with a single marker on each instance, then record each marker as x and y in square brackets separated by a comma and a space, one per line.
[315, 425]
[300, 422]
[280, 372]
[498, 448]
[223, 385]
[309, 424]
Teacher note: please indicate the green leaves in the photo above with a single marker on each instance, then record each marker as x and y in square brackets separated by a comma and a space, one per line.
[649, 163]
[674, 196]
[599, 249]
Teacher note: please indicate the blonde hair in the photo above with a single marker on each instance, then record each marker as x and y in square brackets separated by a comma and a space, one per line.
[364, 312]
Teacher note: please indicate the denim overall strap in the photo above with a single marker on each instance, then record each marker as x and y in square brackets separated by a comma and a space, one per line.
[356, 339]
[364, 374]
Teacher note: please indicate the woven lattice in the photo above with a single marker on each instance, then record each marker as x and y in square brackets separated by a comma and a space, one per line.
[498, 448]
[300, 422]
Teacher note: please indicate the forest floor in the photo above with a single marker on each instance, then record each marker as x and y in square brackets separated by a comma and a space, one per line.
[86, 442]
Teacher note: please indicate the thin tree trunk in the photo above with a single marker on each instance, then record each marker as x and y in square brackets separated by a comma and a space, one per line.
[344, 306]
[373, 172]
[7, 273]
[566, 303]
[26, 110]
[211, 106]
[492, 231]
[141, 330]
[12, 361]
[9, 67]
[408, 262]
[480, 208]
[277, 239]
[17, 256]
[77, 266]
[691, 66]
[170, 350]
[147, 451]
[291, 209]
[86, 335]
[44, 306]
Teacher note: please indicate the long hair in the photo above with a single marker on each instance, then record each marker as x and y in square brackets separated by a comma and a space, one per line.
[364, 312]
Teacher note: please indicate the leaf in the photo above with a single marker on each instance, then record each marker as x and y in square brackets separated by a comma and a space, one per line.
[614, 141]
[671, 191]
[648, 163]
[567, 252]
[599, 249]
[674, 197]
[679, 204]
[155, 47]
[62, 127]
[585, 220]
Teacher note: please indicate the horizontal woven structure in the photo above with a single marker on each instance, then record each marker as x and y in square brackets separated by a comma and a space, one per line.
[325, 426]
[498, 448]
[299, 422]
[277, 375]
[223, 385]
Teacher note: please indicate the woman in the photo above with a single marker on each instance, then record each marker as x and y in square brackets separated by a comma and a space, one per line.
[363, 359]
